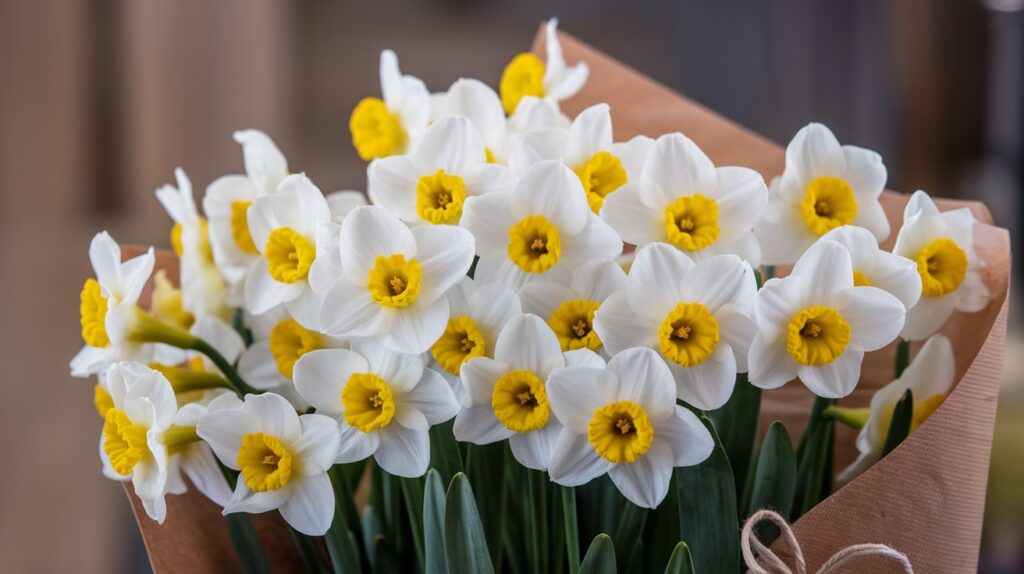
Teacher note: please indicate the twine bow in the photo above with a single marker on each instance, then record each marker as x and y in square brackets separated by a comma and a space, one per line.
[753, 550]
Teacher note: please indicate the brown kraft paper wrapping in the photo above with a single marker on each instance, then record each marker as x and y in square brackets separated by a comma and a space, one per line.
[925, 499]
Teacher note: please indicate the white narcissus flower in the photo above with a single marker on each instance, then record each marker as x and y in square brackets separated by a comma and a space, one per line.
[203, 288]
[527, 75]
[543, 226]
[875, 267]
[697, 316]
[284, 228]
[226, 204]
[431, 183]
[194, 457]
[824, 185]
[384, 403]
[506, 396]
[942, 247]
[107, 307]
[929, 378]
[569, 308]
[477, 314]
[282, 458]
[682, 199]
[623, 420]
[132, 445]
[394, 279]
[816, 325]
[388, 126]
[587, 148]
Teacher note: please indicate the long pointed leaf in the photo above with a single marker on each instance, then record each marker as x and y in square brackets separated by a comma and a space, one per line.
[708, 517]
[680, 562]
[627, 534]
[485, 470]
[444, 451]
[774, 474]
[572, 532]
[899, 428]
[600, 558]
[433, 525]
[412, 495]
[737, 427]
[465, 543]
[814, 459]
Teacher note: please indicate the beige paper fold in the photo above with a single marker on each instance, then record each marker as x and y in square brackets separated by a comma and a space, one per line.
[925, 499]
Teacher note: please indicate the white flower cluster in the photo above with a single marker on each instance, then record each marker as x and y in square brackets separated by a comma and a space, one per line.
[485, 283]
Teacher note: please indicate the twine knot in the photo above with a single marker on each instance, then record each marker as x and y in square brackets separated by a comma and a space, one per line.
[754, 550]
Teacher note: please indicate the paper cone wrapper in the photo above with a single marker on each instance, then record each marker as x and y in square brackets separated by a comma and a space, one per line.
[925, 499]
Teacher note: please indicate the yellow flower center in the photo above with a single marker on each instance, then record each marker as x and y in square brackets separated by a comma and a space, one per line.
[376, 131]
[691, 222]
[240, 227]
[368, 402]
[534, 244]
[942, 265]
[523, 76]
[601, 175]
[124, 441]
[573, 323]
[166, 303]
[395, 281]
[861, 280]
[102, 400]
[688, 335]
[93, 311]
[439, 197]
[204, 240]
[923, 408]
[817, 336]
[289, 255]
[289, 341]
[620, 432]
[461, 341]
[265, 462]
[520, 401]
[828, 203]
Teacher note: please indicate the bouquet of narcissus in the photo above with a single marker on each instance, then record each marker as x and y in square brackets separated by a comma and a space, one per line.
[534, 348]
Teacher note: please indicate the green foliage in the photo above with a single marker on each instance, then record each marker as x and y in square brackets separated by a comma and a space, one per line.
[600, 558]
[680, 562]
[899, 428]
[465, 544]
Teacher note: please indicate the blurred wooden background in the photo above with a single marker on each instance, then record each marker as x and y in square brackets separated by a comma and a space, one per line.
[100, 100]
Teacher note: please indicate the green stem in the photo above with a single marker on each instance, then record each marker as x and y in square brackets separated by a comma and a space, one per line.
[237, 382]
[311, 560]
[572, 535]
[902, 357]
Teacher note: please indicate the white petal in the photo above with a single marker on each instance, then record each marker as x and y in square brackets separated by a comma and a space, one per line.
[528, 343]
[620, 328]
[263, 292]
[134, 274]
[871, 216]
[445, 253]
[815, 152]
[875, 317]
[223, 431]
[451, 144]
[771, 366]
[245, 500]
[342, 202]
[202, 470]
[433, 397]
[675, 167]
[403, 452]
[708, 385]
[653, 286]
[319, 444]
[310, 508]
[221, 336]
[741, 196]
[596, 241]
[391, 183]
[349, 311]
[783, 241]
[488, 218]
[826, 270]
[865, 171]
[972, 295]
[836, 379]
[630, 217]
[576, 392]
[476, 100]
[590, 133]
[259, 368]
[390, 78]
[645, 379]
[264, 162]
[370, 232]
[928, 316]
[105, 256]
[597, 280]
[276, 416]
[897, 275]
[417, 327]
[542, 297]
[690, 441]
[933, 369]
[477, 424]
[479, 375]
[737, 330]
[645, 482]
[551, 189]
[321, 375]
[402, 371]
[719, 280]
[574, 462]
[493, 306]
[533, 449]
[305, 309]
[536, 146]
[355, 445]
[777, 301]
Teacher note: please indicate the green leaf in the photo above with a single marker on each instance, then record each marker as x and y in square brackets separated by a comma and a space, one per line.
[627, 534]
[708, 516]
[737, 427]
[308, 552]
[661, 534]
[341, 538]
[899, 428]
[680, 562]
[465, 544]
[572, 531]
[775, 473]
[433, 525]
[814, 459]
[600, 558]
[444, 451]
[371, 533]
[412, 495]
[902, 357]
[485, 468]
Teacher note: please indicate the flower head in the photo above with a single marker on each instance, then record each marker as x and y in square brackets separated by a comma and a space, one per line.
[941, 245]
[282, 458]
[875, 267]
[824, 186]
[384, 403]
[816, 325]
[432, 182]
[394, 280]
[542, 226]
[478, 313]
[929, 378]
[623, 420]
[682, 199]
[696, 315]
[527, 75]
[388, 126]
